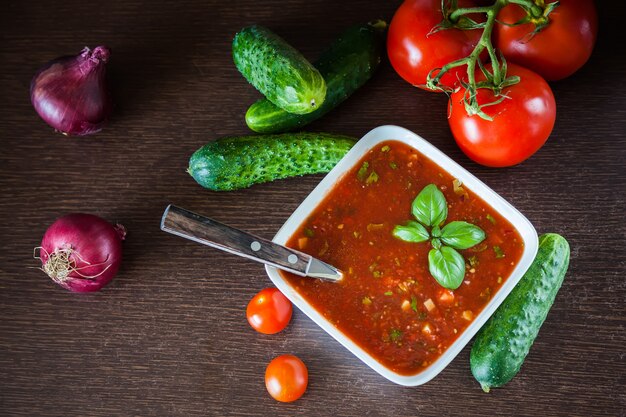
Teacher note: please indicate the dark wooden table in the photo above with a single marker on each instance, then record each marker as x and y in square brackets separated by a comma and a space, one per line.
[169, 336]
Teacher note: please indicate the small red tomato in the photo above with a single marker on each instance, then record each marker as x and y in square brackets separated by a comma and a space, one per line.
[414, 49]
[521, 123]
[558, 50]
[269, 311]
[286, 378]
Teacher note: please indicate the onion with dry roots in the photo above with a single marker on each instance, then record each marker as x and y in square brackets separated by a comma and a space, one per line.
[81, 252]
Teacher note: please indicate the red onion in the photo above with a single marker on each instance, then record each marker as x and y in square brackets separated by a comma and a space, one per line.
[82, 252]
[71, 94]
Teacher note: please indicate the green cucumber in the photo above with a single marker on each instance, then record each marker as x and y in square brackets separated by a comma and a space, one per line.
[238, 162]
[346, 65]
[278, 70]
[503, 343]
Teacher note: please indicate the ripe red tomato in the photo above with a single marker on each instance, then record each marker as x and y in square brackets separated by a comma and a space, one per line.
[521, 123]
[414, 52]
[286, 378]
[558, 50]
[269, 311]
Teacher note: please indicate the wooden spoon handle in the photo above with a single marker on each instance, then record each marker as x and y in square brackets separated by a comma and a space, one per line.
[206, 231]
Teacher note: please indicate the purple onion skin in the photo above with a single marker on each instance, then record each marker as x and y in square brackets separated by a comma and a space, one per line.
[71, 94]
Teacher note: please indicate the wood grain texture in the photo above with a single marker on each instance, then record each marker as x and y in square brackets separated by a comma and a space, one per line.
[169, 337]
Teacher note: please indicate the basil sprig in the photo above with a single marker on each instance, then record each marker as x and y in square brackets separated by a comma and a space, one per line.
[445, 264]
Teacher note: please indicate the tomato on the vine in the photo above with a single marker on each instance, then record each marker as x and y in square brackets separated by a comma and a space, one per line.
[558, 50]
[286, 378]
[414, 49]
[269, 311]
[522, 121]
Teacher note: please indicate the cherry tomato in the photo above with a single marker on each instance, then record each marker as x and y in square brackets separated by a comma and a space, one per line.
[558, 50]
[414, 51]
[521, 123]
[286, 378]
[269, 311]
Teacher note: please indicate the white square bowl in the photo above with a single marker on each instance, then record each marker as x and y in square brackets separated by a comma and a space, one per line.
[370, 140]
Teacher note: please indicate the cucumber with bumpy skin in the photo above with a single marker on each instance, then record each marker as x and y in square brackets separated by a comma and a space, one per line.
[232, 163]
[346, 65]
[503, 343]
[278, 70]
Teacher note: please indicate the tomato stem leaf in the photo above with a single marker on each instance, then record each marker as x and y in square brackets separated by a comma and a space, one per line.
[537, 13]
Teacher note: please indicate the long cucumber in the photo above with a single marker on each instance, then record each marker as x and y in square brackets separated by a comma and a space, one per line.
[503, 343]
[231, 163]
[346, 65]
[278, 70]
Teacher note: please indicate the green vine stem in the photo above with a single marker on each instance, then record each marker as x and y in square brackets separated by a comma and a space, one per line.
[537, 12]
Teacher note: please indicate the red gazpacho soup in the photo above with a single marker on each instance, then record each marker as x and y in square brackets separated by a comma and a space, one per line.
[388, 302]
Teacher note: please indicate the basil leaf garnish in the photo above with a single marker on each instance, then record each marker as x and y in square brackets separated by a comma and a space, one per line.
[447, 266]
[430, 207]
[461, 235]
[411, 232]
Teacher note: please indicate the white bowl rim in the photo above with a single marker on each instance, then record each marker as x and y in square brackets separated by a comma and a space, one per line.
[367, 142]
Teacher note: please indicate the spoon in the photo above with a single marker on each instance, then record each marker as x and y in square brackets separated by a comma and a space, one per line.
[192, 226]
